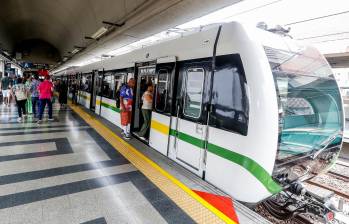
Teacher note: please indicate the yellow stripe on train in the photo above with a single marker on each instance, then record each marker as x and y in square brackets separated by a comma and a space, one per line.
[164, 129]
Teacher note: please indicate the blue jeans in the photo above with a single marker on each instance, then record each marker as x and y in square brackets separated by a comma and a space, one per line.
[35, 106]
[43, 103]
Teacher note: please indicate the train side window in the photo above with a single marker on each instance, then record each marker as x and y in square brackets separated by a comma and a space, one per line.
[119, 81]
[108, 86]
[82, 82]
[162, 90]
[193, 92]
[88, 84]
[230, 103]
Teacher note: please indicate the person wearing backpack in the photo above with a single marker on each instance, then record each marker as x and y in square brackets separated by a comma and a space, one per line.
[21, 93]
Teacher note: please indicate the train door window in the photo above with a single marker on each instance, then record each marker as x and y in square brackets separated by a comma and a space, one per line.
[119, 81]
[162, 90]
[84, 85]
[194, 85]
[90, 83]
[108, 86]
[230, 104]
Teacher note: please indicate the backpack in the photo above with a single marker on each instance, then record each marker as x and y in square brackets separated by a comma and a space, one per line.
[20, 92]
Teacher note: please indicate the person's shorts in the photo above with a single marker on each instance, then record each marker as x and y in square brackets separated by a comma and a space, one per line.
[125, 117]
[5, 93]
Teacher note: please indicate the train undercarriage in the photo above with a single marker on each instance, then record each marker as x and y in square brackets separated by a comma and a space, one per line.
[306, 205]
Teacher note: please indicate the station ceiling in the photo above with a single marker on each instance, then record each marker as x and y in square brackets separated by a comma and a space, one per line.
[46, 31]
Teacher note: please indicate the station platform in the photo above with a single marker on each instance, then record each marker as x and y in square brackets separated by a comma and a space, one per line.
[77, 169]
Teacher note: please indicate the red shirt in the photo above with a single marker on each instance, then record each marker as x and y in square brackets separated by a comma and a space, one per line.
[45, 89]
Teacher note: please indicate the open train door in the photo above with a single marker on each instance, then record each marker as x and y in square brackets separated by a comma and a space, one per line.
[162, 101]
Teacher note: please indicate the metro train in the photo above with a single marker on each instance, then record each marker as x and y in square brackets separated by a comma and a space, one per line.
[249, 111]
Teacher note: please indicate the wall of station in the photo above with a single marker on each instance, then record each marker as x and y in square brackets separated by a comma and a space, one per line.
[2, 67]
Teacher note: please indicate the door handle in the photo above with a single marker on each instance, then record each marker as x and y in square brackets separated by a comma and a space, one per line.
[199, 128]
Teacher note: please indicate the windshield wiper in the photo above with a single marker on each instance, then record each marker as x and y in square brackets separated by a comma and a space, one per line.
[327, 143]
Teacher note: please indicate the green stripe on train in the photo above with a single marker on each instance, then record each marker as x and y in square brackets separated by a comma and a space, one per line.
[249, 164]
[187, 138]
[111, 107]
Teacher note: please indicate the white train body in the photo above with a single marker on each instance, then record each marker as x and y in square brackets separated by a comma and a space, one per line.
[229, 126]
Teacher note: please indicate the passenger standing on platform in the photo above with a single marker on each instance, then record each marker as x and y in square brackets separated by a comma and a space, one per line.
[27, 84]
[147, 106]
[5, 88]
[126, 100]
[21, 93]
[74, 90]
[45, 96]
[35, 95]
[63, 94]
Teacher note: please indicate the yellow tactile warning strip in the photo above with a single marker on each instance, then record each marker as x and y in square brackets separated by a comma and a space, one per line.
[196, 207]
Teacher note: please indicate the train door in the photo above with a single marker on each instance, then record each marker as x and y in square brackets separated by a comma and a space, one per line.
[144, 76]
[190, 124]
[163, 95]
[95, 90]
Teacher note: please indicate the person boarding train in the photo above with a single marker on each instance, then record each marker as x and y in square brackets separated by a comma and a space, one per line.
[126, 100]
[147, 105]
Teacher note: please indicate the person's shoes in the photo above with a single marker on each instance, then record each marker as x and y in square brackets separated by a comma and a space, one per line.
[19, 119]
[39, 122]
[51, 119]
[127, 137]
[25, 116]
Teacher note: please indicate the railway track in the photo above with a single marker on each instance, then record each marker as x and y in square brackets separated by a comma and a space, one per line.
[338, 175]
[324, 186]
[335, 176]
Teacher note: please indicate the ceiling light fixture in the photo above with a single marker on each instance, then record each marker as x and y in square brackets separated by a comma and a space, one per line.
[76, 50]
[78, 47]
[113, 24]
[100, 32]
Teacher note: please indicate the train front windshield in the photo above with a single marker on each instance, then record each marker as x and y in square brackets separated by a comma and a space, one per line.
[310, 108]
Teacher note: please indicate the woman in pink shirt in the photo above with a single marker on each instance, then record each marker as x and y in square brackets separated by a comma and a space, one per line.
[45, 96]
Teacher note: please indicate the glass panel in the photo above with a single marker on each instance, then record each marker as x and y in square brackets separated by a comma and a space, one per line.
[108, 86]
[193, 92]
[161, 90]
[230, 109]
[310, 110]
[119, 82]
[86, 83]
[89, 83]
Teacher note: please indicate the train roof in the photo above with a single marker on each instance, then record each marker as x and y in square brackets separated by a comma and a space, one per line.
[198, 45]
